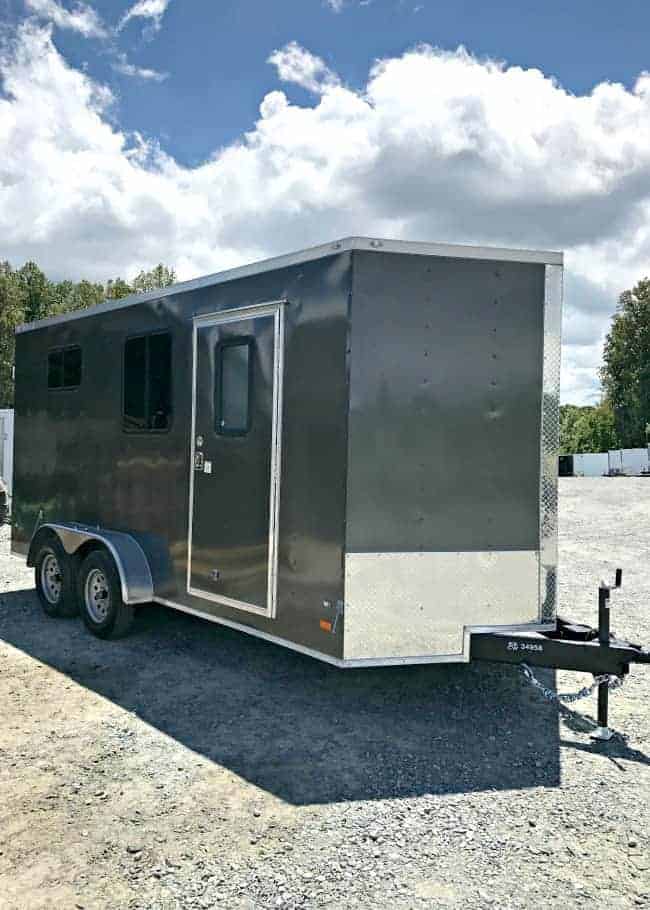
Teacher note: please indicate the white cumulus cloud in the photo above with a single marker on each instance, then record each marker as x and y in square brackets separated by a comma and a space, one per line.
[296, 64]
[125, 68]
[81, 18]
[146, 9]
[437, 146]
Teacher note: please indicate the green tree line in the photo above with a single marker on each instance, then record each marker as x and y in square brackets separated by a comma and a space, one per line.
[26, 294]
[587, 428]
[625, 373]
[622, 419]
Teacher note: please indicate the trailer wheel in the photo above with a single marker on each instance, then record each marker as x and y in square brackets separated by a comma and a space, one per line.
[54, 578]
[100, 597]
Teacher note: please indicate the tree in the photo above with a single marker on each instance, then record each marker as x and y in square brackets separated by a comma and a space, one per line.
[85, 294]
[588, 428]
[12, 313]
[159, 277]
[117, 288]
[66, 296]
[36, 289]
[626, 369]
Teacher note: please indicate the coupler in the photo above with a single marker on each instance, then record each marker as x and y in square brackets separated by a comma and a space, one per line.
[569, 646]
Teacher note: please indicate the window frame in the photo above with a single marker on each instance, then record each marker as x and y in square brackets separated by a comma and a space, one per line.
[148, 431]
[61, 349]
[217, 404]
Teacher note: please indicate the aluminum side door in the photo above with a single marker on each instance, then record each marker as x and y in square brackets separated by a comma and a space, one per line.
[236, 436]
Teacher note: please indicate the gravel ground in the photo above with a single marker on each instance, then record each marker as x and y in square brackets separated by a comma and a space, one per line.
[190, 766]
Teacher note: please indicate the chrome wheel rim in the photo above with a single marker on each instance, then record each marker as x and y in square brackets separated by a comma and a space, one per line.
[51, 582]
[97, 595]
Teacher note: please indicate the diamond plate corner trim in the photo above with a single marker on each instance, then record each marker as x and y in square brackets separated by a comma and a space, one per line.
[550, 443]
[418, 604]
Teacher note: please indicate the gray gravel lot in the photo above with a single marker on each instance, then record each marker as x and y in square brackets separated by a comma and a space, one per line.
[191, 766]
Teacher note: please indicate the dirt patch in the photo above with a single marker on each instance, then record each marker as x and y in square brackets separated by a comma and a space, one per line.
[192, 766]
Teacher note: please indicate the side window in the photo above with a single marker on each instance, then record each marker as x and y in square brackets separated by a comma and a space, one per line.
[147, 398]
[64, 368]
[233, 386]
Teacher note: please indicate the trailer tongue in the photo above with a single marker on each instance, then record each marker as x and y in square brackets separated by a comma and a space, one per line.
[569, 646]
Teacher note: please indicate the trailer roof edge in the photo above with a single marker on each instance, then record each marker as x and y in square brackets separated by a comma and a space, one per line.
[449, 250]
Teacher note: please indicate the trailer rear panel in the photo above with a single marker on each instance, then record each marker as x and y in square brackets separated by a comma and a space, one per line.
[443, 509]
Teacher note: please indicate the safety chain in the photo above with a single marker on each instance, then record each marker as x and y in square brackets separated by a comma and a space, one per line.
[613, 682]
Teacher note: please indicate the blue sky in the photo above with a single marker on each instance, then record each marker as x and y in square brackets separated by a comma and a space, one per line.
[216, 52]
[208, 133]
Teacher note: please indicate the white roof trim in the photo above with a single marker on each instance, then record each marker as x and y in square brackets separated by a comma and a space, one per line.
[447, 250]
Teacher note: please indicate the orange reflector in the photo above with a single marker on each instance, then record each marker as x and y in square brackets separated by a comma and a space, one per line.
[326, 625]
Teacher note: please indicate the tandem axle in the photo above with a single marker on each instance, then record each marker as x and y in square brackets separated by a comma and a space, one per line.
[569, 646]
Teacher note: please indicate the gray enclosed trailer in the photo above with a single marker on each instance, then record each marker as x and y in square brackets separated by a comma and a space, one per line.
[288, 449]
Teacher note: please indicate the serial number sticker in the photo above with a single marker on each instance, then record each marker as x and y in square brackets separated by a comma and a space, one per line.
[523, 646]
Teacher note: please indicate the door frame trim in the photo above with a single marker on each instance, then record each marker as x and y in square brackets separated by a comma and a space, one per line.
[276, 309]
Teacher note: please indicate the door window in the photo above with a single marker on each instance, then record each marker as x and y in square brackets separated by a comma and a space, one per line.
[233, 386]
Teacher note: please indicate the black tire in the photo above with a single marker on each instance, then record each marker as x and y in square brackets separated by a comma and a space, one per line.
[99, 595]
[54, 577]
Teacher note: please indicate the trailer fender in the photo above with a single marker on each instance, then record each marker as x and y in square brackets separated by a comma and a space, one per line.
[130, 559]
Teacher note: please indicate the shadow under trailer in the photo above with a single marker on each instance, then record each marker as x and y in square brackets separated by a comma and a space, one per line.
[287, 449]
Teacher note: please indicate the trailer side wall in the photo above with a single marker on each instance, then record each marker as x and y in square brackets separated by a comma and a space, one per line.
[76, 464]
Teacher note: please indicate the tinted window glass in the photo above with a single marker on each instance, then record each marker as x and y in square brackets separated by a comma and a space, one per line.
[72, 367]
[147, 383]
[159, 397]
[135, 385]
[55, 370]
[64, 368]
[234, 367]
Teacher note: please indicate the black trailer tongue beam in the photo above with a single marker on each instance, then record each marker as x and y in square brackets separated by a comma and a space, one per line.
[569, 646]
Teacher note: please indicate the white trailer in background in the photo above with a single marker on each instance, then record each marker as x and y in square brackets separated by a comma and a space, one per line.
[7, 447]
[590, 464]
[6, 459]
[630, 462]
